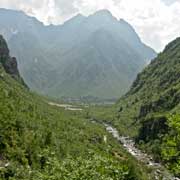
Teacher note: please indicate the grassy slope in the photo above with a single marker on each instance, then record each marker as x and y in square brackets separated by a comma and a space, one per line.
[43, 142]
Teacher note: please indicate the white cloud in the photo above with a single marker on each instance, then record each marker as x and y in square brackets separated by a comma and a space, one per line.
[156, 21]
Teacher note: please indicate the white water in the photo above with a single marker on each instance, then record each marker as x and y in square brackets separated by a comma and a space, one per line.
[128, 144]
[160, 173]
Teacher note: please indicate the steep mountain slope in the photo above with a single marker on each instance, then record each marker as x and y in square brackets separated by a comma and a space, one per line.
[38, 141]
[9, 63]
[76, 55]
[96, 61]
[153, 105]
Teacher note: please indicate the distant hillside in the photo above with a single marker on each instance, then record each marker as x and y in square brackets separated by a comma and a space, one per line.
[83, 57]
[153, 105]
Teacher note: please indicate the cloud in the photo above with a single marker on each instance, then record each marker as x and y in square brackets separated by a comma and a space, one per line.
[156, 21]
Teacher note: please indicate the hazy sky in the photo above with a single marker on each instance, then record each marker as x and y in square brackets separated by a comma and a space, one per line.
[156, 21]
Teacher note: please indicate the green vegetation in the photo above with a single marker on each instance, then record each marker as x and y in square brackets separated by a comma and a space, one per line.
[42, 142]
[38, 141]
[143, 113]
[170, 150]
[150, 111]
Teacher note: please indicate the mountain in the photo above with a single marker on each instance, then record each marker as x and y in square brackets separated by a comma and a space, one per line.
[83, 57]
[151, 109]
[39, 141]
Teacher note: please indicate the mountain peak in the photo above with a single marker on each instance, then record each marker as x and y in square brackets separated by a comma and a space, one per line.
[96, 49]
[78, 16]
[103, 13]
[76, 19]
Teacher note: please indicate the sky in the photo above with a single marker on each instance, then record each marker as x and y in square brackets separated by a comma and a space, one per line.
[156, 21]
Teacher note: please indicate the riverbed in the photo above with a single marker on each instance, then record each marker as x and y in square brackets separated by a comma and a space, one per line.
[129, 145]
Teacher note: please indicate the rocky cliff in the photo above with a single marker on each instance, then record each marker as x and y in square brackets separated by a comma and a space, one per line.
[9, 63]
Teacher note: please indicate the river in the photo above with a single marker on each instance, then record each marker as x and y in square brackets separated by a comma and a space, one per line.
[159, 171]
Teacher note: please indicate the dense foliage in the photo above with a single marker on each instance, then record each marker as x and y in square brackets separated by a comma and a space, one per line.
[89, 168]
[170, 150]
[38, 141]
[146, 108]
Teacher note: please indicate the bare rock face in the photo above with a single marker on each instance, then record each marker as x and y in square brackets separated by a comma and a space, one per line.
[4, 51]
[11, 68]
[9, 63]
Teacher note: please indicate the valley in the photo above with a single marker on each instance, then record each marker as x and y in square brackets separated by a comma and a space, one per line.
[158, 170]
[86, 100]
[41, 141]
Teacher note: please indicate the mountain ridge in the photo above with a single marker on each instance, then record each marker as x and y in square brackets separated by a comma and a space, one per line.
[53, 45]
